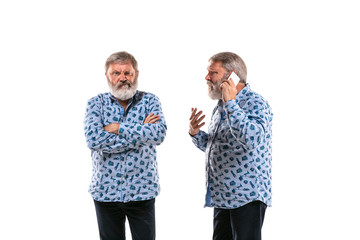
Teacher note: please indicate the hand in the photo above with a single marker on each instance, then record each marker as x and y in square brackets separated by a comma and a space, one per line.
[229, 90]
[112, 128]
[152, 118]
[196, 122]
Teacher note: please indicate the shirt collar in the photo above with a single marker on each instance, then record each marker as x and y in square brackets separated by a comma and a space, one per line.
[243, 92]
[240, 95]
[133, 99]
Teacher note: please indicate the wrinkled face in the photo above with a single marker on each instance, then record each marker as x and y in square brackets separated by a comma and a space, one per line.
[122, 80]
[216, 75]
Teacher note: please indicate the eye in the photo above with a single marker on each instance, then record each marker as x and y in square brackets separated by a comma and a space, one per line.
[128, 74]
[115, 73]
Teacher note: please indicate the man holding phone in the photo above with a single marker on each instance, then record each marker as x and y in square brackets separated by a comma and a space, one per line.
[237, 149]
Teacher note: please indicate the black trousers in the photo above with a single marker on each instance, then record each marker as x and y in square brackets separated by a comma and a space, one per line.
[242, 223]
[111, 219]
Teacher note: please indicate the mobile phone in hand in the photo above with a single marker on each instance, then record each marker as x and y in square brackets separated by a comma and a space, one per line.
[234, 77]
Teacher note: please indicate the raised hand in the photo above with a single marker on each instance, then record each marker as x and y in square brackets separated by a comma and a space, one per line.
[196, 121]
[229, 90]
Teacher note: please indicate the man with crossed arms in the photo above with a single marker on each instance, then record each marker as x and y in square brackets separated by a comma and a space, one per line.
[122, 129]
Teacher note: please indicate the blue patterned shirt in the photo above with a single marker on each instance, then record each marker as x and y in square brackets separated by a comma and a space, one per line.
[238, 151]
[124, 165]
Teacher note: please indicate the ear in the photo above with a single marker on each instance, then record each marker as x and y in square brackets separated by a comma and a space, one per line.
[137, 74]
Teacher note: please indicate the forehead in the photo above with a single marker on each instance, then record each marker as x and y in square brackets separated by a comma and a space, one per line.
[215, 66]
[121, 66]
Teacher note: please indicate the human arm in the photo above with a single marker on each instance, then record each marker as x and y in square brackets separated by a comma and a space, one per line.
[250, 123]
[200, 138]
[195, 121]
[228, 90]
[97, 138]
[114, 127]
[152, 131]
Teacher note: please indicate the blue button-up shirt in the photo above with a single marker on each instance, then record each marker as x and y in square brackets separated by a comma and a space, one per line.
[124, 164]
[238, 151]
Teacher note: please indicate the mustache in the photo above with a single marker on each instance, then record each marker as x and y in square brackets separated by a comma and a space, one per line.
[210, 83]
[120, 84]
[217, 84]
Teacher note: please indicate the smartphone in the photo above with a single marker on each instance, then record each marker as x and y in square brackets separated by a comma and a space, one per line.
[234, 77]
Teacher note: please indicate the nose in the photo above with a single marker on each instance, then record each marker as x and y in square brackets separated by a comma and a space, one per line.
[207, 77]
[122, 77]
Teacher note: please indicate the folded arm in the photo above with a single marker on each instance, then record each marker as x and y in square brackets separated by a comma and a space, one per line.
[97, 138]
[151, 132]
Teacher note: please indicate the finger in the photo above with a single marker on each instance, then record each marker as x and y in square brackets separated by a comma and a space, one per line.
[198, 126]
[193, 112]
[197, 115]
[155, 117]
[224, 84]
[231, 82]
[196, 123]
[153, 120]
[151, 114]
[202, 124]
[148, 117]
[197, 118]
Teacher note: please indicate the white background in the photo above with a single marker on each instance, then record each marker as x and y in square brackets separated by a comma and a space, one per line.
[302, 56]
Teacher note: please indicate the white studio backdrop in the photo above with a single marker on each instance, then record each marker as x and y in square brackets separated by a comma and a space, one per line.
[302, 56]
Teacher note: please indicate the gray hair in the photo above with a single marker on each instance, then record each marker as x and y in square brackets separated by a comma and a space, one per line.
[121, 57]
[231, 62]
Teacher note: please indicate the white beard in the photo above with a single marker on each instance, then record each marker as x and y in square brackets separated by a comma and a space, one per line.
[214, 91]
[123, 90]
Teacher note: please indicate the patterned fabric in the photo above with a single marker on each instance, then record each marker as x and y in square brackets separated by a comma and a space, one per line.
[124, 165]
[238, 151]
